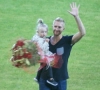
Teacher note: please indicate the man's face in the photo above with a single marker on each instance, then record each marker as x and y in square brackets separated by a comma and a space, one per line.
[58, 27]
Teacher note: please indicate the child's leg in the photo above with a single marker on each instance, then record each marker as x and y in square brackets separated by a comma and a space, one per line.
[50, 79]
[49, 70]
[38, 74]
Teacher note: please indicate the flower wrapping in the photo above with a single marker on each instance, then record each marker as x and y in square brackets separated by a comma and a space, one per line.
[55, 61]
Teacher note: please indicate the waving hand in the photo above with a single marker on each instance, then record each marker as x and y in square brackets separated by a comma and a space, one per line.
[74, 9]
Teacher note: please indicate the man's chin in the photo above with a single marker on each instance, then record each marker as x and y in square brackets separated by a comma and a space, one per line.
[56, 35]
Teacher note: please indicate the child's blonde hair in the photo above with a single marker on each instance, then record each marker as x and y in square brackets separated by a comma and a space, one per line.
[40, 24]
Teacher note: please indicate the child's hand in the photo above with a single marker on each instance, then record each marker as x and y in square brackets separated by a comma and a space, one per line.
[47, 40]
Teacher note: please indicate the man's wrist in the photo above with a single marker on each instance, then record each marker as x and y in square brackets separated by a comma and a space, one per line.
[76, 16]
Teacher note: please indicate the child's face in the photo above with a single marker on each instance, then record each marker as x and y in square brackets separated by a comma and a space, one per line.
[42, 32]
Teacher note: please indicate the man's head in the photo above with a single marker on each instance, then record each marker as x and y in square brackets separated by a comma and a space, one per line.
[58, 26]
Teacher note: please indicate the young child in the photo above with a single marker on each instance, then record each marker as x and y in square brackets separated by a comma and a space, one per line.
[42, 42]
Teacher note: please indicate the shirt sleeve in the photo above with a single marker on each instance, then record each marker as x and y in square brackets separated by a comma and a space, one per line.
[68, 39]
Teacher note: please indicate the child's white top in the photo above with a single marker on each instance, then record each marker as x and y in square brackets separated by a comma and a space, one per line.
[42, 44]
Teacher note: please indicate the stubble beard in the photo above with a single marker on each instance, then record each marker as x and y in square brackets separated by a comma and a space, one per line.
[57, 34]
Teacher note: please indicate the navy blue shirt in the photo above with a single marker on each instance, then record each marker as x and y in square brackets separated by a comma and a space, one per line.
[63, 47]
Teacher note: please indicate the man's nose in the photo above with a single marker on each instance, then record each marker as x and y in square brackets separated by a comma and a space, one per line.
[56, 28]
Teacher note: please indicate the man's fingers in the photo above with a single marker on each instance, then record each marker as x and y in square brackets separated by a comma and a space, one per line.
[71, 5]
[78, 6]
[69, 12]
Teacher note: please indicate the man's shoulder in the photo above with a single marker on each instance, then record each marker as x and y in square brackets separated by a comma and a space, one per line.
[67, 37]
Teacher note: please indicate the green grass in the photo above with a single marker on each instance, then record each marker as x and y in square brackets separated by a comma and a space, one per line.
[18, 19]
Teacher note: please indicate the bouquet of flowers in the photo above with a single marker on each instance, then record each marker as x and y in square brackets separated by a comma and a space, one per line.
[24, 54]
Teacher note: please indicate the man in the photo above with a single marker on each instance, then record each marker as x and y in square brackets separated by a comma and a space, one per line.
[62, 45]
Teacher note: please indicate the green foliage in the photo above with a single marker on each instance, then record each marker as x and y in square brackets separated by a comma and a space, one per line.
[18, 19]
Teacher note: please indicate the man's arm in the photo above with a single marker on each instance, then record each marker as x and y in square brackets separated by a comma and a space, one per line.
[81, 32]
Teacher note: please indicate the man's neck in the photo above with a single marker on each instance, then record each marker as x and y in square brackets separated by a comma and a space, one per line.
[55, 39]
